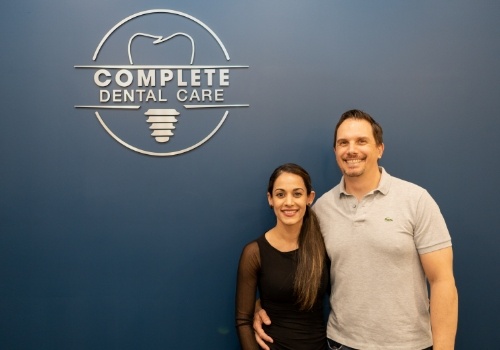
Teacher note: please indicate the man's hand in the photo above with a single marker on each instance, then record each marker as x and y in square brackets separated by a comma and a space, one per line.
[260, 317]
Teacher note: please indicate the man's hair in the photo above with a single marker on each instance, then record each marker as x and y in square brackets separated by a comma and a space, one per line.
[378, 134]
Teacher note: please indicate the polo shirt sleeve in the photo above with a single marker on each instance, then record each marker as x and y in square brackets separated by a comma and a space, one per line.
[430, 232]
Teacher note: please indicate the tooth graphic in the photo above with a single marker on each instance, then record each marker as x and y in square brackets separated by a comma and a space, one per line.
[162, 123]
[162, 120]
[159, 39]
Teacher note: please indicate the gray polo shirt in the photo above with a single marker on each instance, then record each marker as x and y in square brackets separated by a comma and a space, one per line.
[379, 297]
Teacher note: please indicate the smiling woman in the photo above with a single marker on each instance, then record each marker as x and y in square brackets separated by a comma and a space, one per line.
[289, 198]
[288, 267]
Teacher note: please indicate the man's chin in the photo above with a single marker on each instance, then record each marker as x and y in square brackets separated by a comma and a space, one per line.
[353, 173]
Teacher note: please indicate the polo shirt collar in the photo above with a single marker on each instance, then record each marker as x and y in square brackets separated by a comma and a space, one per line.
[383, 186]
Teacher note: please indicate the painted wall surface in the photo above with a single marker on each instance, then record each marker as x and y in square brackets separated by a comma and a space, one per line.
[102, 247]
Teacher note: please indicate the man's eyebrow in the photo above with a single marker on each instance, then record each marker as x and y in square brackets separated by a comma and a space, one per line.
[355, 138]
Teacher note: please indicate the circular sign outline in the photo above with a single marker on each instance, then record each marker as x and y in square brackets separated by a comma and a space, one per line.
[103, 41]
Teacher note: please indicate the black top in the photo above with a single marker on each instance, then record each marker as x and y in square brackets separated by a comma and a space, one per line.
[264, 267]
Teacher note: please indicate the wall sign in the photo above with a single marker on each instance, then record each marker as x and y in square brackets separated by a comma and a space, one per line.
[150, 93]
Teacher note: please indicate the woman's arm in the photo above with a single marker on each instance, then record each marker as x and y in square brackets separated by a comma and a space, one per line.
[246, 289]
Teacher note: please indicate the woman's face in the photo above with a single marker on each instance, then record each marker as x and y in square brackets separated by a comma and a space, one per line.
[289, 199]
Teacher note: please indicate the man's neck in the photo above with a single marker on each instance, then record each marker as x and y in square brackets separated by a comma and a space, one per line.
[359, 186]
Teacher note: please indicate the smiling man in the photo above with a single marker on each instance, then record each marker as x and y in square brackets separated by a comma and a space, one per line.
[357, 150]
[386, 239]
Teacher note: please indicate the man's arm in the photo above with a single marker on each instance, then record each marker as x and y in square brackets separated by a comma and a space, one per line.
[259, 318]
[438, 268]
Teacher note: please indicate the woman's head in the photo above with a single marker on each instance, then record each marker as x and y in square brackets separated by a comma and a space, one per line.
[290, 168]
[289, 194]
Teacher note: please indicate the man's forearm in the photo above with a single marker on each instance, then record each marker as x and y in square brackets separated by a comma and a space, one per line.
[444, 314]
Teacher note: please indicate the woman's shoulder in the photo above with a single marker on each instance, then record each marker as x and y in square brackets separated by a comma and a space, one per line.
[250, 256]
[252, 247]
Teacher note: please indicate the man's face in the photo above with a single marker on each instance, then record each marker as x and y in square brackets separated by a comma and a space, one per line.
[356, 151]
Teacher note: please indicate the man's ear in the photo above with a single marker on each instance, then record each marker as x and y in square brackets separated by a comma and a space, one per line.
[380, 150]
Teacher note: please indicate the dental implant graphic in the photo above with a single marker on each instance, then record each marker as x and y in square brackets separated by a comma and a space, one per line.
[162, 120]
[162, 123]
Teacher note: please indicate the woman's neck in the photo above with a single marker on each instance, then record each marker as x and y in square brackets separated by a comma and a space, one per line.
[284, 238]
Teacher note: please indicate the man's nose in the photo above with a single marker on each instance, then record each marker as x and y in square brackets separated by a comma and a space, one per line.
[351, 148]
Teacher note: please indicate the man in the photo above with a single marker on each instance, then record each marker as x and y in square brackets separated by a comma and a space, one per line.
[385, 237]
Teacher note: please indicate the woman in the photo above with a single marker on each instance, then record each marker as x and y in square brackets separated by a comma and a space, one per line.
[288, 266]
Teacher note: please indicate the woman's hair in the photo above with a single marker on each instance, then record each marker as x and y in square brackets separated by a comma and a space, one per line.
[312, 252]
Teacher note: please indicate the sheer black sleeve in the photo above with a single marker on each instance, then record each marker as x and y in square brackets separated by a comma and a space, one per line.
[246, 289]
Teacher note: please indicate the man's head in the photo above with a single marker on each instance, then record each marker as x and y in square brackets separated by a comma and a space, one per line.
[358, 145]
[378, 133]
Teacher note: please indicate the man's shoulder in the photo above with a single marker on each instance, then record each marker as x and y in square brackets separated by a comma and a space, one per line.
[403, 185]
[327, 199]
[328, 194]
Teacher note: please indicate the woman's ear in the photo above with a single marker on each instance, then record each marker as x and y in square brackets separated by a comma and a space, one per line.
[310, 198]
[270, 200]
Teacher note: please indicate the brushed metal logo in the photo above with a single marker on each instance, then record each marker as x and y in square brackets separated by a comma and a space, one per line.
[149, 95]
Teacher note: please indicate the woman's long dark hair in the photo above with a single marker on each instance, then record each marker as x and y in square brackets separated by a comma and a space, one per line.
[312, 252]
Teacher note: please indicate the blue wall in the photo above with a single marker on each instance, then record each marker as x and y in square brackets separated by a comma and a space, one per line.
[105, 248]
